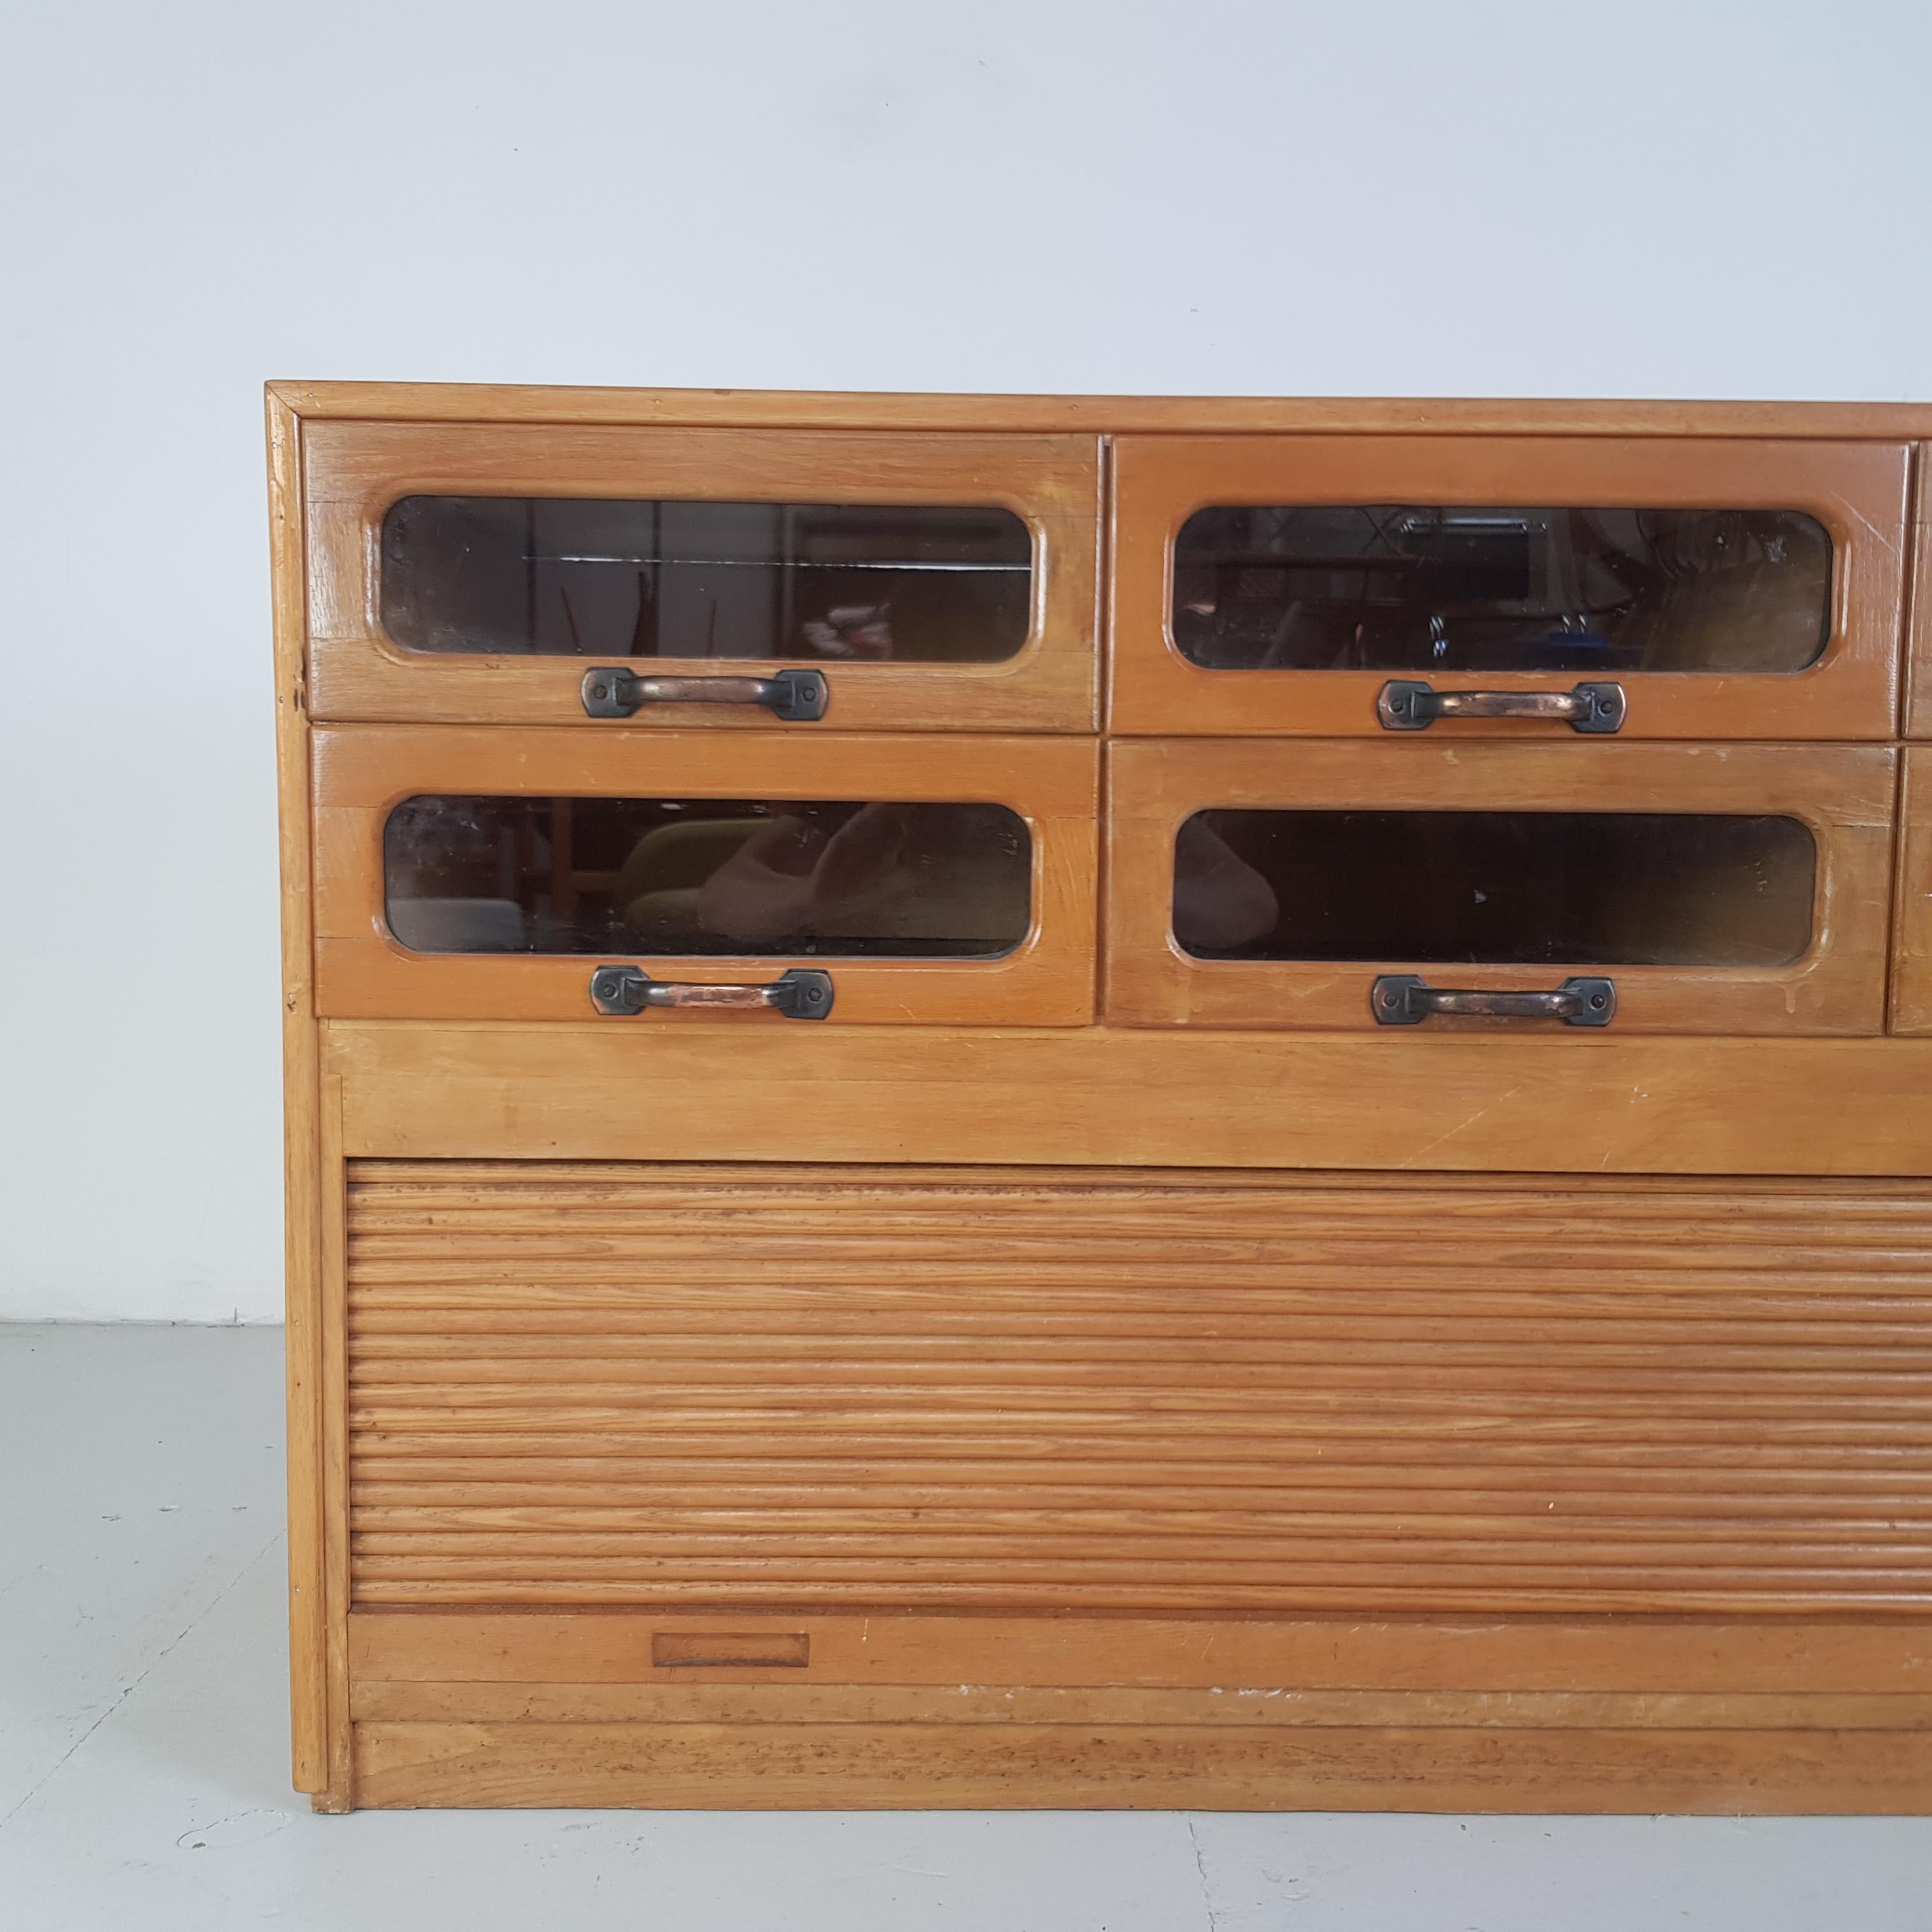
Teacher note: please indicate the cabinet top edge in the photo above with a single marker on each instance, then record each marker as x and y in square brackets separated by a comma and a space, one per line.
[773, 409]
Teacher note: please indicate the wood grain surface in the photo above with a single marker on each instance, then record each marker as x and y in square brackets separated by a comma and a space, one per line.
[1134, 1392]
[309, 1619]
[1258, 416]
[1918, 648]
[774, 1766]
[1912, 930]
[436, 1653]
[1578, 1102]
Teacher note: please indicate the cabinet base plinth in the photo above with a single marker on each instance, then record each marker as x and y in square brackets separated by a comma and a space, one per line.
[1130, 1767]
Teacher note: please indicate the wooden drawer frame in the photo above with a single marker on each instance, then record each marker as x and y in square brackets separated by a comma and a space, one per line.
[1919, 625]
[354, 472]
[361, 773]
[1857, 490]
[1912, 928]
[1843, 793]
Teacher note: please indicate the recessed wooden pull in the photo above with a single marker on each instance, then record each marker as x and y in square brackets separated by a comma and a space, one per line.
[730, 1650]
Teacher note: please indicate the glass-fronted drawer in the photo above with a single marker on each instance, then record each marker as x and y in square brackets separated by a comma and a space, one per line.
[1657, 888]
[701, 578]
[1507, 586]
[541, 874]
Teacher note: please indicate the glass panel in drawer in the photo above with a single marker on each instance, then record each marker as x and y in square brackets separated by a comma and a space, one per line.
[817, 583]
[637, 579]
[1552, 589]
[1725, 889]
[1459, 589]
[1495, 888]
[504, 875]
[707, 878]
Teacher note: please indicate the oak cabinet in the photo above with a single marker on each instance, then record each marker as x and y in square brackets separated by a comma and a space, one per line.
[1068, 1102]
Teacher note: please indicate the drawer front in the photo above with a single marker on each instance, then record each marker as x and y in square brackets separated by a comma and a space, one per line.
[481, 574]
[664, 879]
[1710, 888]
[1659, 588]
[1147, 1391]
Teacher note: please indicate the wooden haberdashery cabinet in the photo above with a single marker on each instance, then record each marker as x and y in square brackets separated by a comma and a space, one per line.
[1056, 1102]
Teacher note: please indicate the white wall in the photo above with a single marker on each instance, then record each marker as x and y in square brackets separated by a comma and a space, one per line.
[1412, 198]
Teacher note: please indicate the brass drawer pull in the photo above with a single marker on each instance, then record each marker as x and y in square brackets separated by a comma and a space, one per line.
[801, 994]
[796, 696]
[1400, 999]
[1407, 704]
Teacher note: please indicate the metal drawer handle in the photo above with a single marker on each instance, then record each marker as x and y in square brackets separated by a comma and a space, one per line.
[796, 696]
[1400, 999]
[799, 994]
[1407, 704]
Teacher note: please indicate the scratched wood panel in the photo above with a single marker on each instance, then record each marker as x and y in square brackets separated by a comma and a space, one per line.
[1400, 1098]
[645, 1384]
[770, 1765]
[1668, 1662]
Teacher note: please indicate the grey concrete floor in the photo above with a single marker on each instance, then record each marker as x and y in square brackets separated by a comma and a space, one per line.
[143, 1757]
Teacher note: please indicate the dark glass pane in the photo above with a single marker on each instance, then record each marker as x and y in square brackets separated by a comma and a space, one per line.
[1498, 888]
[1404, 586]
[707, 876]
[810, 582]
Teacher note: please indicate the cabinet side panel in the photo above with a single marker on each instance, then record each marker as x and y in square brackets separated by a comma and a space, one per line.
[307, 1603]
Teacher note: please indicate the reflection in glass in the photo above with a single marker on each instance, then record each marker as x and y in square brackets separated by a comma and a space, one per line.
[1528, 888]
[1404, 586]
[707, 877]
[806, 582]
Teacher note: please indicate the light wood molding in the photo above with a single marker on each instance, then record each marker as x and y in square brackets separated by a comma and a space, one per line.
[379, 1701]
[1259, 416]
[1150, 1097]
[1857, 490]
[1137, 1710]
[1844, 795]
[354, 472]
[362, 773]
[332, 1415]
[1651, 1658]
[309, 1623]
[775, 1766]
[1919, 646]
